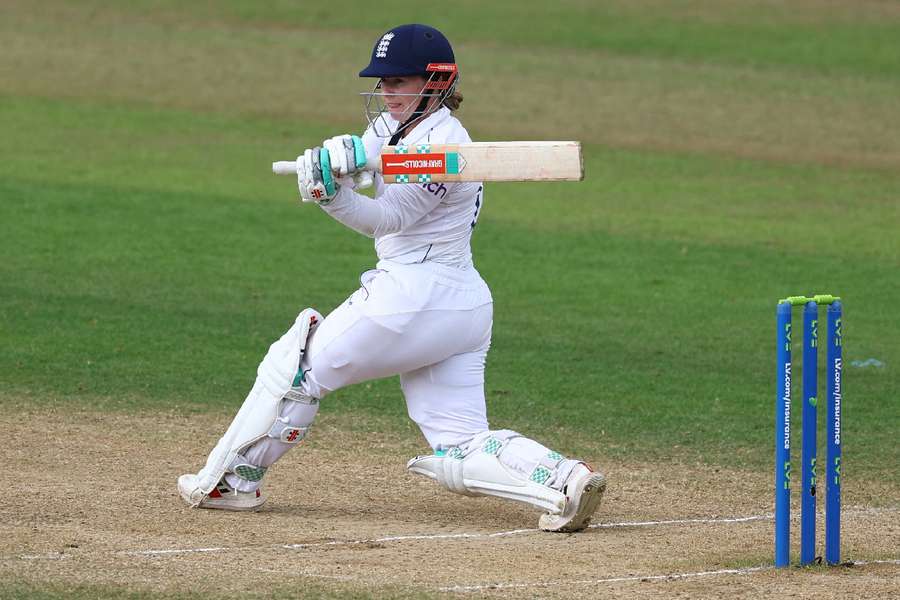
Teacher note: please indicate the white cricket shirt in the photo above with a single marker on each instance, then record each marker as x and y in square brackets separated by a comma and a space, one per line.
[415, 222]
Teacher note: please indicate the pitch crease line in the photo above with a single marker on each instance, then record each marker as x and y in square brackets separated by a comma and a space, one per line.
[713, 520]
[624, 579]
[449, 536]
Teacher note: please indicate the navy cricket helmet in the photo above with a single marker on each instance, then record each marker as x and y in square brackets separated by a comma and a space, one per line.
[411, 50]
[408, 50]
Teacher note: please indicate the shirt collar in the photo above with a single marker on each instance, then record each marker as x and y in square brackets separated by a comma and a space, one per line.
[425, 126]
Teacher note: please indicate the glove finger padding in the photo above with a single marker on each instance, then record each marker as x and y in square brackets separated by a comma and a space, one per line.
[325, 173]
[304, 176]
[340, 160]
[348, 154]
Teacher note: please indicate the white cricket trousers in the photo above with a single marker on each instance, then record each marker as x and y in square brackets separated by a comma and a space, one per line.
[428, 323]
[431, 325]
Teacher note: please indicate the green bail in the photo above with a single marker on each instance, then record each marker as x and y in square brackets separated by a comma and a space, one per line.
[801, 300]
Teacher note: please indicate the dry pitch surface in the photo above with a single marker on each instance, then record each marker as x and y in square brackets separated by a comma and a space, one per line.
[95, 503]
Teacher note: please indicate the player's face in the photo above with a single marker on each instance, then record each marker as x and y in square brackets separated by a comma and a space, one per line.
[401, 106]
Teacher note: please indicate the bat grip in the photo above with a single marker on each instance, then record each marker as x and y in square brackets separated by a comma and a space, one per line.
[284, 167]
[289, 167]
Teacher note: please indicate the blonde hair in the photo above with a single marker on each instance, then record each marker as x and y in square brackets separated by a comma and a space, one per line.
[453, 100]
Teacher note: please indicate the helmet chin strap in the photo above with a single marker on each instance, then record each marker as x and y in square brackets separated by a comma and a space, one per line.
[420, 110]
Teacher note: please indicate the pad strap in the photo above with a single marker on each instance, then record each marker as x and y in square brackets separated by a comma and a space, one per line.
[547, 467]
[477, 470]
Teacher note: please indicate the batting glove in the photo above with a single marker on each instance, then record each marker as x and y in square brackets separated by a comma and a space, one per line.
[348, 161]
[314, 176]
[347, 154]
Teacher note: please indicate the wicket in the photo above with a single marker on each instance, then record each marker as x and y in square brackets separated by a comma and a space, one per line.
[809, 430]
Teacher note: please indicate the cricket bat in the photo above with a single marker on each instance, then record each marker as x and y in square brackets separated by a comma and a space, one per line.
[477, 161]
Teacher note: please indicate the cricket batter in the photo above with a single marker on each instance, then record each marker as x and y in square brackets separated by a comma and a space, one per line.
[424, 314]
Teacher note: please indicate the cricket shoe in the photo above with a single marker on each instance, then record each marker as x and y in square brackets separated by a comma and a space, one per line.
[222, 497]
[583, 489]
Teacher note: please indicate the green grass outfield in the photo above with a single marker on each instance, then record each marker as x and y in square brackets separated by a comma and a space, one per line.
[736, 153]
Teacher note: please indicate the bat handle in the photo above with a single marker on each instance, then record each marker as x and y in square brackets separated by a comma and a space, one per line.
[284, 167]
[289, 167]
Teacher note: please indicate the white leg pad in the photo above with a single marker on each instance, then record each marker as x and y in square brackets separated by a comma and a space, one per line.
[279, 379]
[477, 470]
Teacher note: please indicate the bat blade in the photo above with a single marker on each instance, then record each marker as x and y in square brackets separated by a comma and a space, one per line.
[483, 161]
[476, 161]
